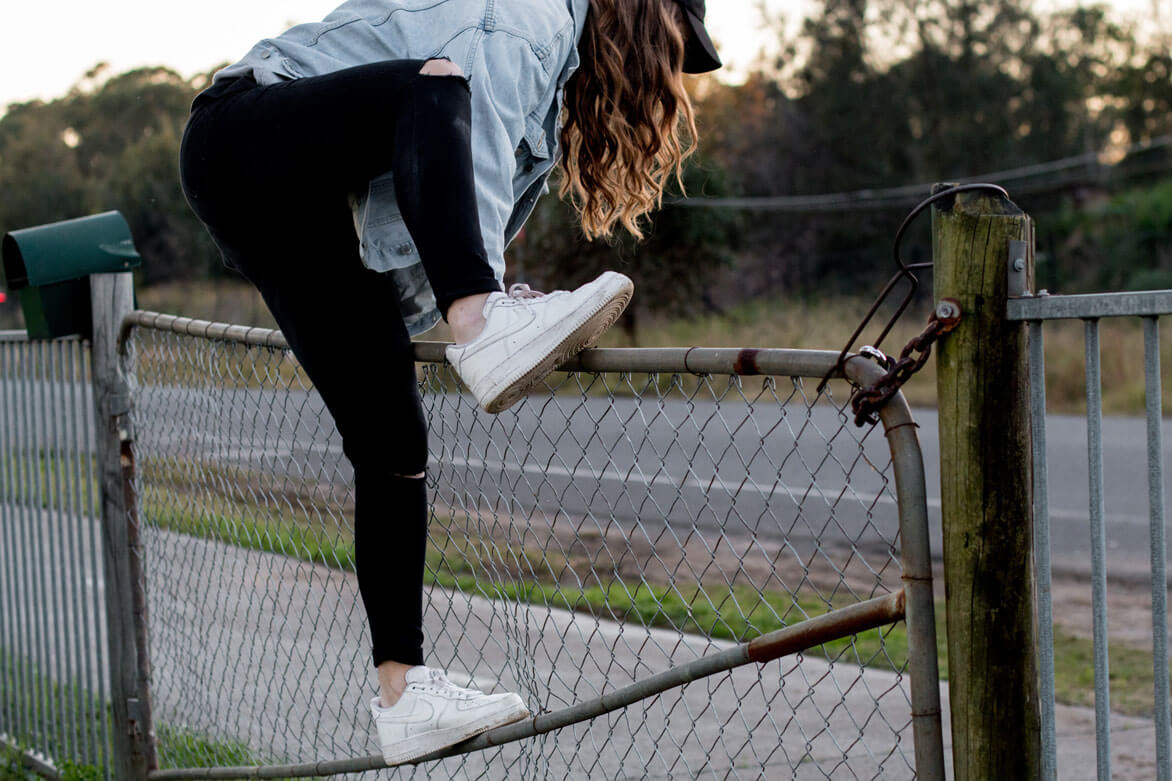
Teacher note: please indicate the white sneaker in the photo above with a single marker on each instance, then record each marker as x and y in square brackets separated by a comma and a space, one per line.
[528, 334]
[434, 713]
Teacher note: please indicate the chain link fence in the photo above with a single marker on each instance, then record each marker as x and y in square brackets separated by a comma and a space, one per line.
[618, 548]
[621, 521]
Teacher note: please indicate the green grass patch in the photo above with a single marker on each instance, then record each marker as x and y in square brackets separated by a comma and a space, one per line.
[50, 479]
[25, 692]
[1132, 675]
[28, 695]
[179, 748]
[739, 613]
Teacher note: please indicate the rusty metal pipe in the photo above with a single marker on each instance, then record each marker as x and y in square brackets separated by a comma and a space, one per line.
[812, 632]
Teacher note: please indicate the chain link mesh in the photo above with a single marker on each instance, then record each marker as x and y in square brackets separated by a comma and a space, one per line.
[610, 526]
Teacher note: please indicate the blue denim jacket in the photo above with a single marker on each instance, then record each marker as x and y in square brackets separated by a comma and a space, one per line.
[517, 55]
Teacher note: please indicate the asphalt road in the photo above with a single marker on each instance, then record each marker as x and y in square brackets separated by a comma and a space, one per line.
[787, 474]
[661, 462]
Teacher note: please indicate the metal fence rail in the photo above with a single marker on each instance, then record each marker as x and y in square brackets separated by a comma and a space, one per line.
[1091, 308]
[643, 516]
[53, 667]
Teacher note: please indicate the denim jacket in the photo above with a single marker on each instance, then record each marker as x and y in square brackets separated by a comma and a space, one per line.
[517, 55]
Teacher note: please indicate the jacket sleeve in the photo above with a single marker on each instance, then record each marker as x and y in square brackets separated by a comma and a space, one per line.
[501, 109]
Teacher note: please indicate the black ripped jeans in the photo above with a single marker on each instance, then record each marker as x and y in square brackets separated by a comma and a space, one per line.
[268, 169]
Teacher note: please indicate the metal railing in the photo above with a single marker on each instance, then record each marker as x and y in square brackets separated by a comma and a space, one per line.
[633, 548]
[53, 664]
[1090, 309]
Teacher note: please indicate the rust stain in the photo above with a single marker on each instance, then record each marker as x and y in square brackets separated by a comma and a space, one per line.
[746, 362]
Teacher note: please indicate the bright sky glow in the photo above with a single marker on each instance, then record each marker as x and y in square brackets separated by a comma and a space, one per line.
[45, 47]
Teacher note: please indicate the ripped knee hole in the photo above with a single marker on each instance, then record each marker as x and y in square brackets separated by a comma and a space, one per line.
[440, 68]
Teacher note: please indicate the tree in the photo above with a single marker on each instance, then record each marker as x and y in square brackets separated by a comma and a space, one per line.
[684, 250]
[110, 143]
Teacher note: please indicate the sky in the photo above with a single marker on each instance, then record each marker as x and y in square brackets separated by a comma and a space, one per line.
[45, 47]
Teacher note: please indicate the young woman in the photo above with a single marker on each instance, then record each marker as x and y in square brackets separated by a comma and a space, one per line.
[366, 173]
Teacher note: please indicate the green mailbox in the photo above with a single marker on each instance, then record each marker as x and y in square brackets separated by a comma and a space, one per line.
[49, 266]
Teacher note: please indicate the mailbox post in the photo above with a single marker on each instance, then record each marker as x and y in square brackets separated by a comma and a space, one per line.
[73, 278]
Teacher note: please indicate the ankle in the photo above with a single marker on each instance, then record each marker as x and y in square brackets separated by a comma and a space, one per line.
[392, 682]
[466, 317]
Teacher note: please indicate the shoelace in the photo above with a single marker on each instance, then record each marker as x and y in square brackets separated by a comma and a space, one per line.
[440, 683]
[519, 290]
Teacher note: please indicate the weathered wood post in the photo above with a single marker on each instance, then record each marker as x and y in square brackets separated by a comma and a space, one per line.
[985, 472]
[112, 296]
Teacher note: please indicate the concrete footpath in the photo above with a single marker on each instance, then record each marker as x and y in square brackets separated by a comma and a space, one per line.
[272, 651]
[1133, 745]
[269, 651]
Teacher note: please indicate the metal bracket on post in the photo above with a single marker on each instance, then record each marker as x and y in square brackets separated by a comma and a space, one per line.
[116, 403]
[1018, 266]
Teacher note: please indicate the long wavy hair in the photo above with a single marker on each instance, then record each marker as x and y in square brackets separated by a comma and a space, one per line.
[629, 122]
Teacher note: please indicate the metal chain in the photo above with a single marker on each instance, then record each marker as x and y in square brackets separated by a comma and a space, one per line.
[868, 400]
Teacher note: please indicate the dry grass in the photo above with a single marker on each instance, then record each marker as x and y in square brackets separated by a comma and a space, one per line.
[810, 324]
[828, 324]
[223, 301]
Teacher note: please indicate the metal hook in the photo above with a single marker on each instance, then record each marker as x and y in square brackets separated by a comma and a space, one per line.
[904, 272]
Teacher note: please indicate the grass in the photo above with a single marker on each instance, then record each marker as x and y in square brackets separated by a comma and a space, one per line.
[822, 324]
[736, 613]
[179, 748]
[63, 480]
[286, 524]
[26, 691]
[827, 324]
[1132, 675]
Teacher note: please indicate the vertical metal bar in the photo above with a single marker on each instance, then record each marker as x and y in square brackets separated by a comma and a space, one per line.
[1098, 551]
[920, 612]
[20, 527]
[32, 548]
[55, 524]
[96, 557]
[1042, 550]
[68, 520]
[46, 557]
[1153, 394]
[13, 666]
[80, 518]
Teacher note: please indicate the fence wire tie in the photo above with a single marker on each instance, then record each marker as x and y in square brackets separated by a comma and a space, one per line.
[867, 400]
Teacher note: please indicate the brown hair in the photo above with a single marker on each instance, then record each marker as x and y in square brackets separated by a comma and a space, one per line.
[629, 123]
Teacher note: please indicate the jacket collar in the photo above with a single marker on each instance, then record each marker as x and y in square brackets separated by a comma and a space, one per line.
[578, 9]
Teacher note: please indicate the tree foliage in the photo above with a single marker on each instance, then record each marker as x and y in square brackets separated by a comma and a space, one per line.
[111, 143]
[868, 94]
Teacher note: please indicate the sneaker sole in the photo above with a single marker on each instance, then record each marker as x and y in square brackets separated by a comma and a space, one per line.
[582, 337]
[413, 748]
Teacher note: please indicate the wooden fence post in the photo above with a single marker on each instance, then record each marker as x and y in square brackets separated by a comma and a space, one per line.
[112, 296]
[985, 476]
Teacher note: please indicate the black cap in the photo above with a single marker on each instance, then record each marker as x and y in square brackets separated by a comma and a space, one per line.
[699, 53]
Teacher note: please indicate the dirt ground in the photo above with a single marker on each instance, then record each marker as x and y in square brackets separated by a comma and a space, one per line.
[1129, 610]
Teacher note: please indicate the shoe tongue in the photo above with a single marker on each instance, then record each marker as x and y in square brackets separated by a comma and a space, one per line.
[418, 674]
